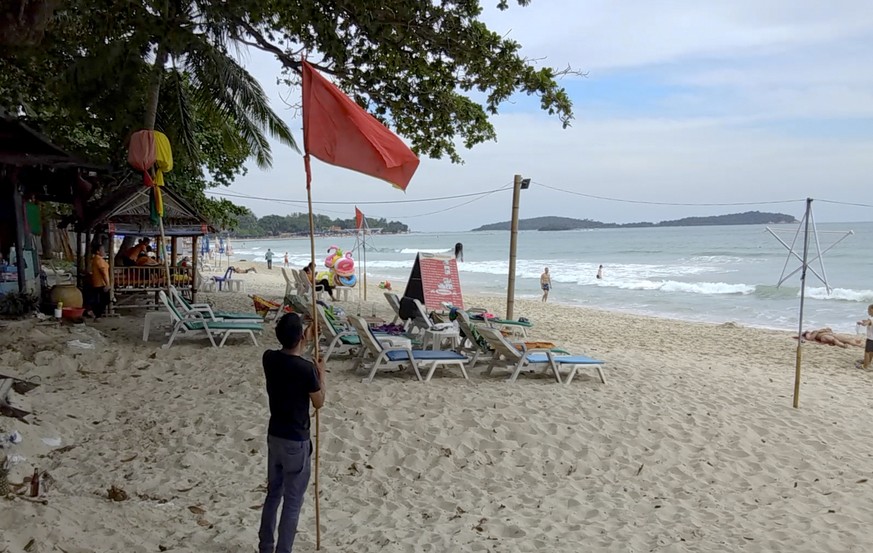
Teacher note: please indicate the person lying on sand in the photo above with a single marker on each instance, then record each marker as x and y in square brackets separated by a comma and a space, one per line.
[239, 270]
[827, 336]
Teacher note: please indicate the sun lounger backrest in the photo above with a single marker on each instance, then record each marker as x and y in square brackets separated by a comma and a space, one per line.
[325, 324]
[468, 331]
[299, 305]
[393, 301]
[368, 340]
[174, 313]
[500, 344]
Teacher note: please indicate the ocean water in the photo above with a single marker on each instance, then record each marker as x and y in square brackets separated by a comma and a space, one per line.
[710, 274]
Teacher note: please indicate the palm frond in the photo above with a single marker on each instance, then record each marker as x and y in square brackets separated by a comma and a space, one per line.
[218, 76]
[177, 115]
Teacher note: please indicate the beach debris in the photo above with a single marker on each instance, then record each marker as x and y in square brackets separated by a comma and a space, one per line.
[353, 469]
[52, 442]
[6, 409]
[203, 522]
[184, 490]
[197, 510]
[19, 385]
[34, 483]
[15, 459]
[80, 344]
[639, 470]
[446, 452]
[60, 450]
[4, 478]
[129, 459]
[13, 438]
[478, 527]
[29, 545]
[861, 481]
[117, 494]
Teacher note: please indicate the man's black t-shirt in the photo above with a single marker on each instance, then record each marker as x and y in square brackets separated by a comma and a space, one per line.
[290, 380]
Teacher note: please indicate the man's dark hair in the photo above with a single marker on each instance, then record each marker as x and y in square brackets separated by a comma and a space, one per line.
[289, 330]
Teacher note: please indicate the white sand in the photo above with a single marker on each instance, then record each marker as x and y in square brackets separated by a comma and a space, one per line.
[691, 446]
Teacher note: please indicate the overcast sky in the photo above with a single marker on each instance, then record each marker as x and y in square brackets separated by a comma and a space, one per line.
[684, 102]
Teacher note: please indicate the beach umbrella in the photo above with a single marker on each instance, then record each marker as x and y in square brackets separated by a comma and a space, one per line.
[339, 132]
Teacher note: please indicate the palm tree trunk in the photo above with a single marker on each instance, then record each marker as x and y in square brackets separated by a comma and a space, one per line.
[154, 93]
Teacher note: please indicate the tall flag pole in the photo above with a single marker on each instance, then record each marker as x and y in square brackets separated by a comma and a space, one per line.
[339, 132]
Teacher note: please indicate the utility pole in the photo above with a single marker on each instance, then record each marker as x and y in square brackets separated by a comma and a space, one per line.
[513, 244]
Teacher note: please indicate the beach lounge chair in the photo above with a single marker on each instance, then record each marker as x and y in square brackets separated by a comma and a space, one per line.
[195, 324]
[304, 287]
[338, 339]
[517, 358]
[290, 276]
[389, 356]
[394, 302]
[187, 307]
[511, 325]
[203, 283]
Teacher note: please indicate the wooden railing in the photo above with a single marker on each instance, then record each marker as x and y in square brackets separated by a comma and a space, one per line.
[151, 278]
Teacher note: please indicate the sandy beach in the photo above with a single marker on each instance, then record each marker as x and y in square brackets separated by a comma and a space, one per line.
[692, 445]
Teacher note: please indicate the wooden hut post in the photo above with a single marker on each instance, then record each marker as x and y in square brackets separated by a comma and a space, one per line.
[110, 251]
[173, 251]
[79, 270]
[18, 206]
[194, 271]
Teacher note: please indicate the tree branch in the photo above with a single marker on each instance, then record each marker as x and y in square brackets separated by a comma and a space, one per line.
[286, 59]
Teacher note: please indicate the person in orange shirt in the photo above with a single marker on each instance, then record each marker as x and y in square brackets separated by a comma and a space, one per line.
[99, 283]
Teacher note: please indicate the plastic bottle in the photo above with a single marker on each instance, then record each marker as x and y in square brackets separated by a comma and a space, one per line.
[59, 310]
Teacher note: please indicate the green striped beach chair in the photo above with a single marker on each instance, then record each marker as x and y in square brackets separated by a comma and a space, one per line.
[187, 308]
[195, 324]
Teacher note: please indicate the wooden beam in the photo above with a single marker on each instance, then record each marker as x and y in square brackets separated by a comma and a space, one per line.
[110, 251]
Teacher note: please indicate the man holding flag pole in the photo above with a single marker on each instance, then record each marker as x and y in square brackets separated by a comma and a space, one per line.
[338, 131]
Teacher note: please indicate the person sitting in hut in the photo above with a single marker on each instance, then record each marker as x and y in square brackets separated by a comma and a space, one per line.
[146, 259]
[133, 254]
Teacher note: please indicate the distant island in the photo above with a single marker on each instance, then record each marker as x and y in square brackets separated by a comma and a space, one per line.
[567, 223]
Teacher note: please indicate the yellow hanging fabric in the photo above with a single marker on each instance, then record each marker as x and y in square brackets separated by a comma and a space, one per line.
[163, 157]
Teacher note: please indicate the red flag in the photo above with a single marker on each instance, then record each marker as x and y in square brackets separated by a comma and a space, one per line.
[359, 218]
[338, 131]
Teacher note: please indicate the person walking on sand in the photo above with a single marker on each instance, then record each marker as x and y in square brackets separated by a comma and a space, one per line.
[286, 261]
[545, 283]
[868, 345]
[269, 257]
[292, 383]
[600, 272]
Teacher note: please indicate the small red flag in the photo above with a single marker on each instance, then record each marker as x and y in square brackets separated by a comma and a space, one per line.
[359, 218]
[338, 131]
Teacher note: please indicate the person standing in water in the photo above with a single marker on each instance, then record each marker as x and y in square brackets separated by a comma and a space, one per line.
[545, 283]
[600, 272]
[286, 260]
[269, 257]
[459, 251]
